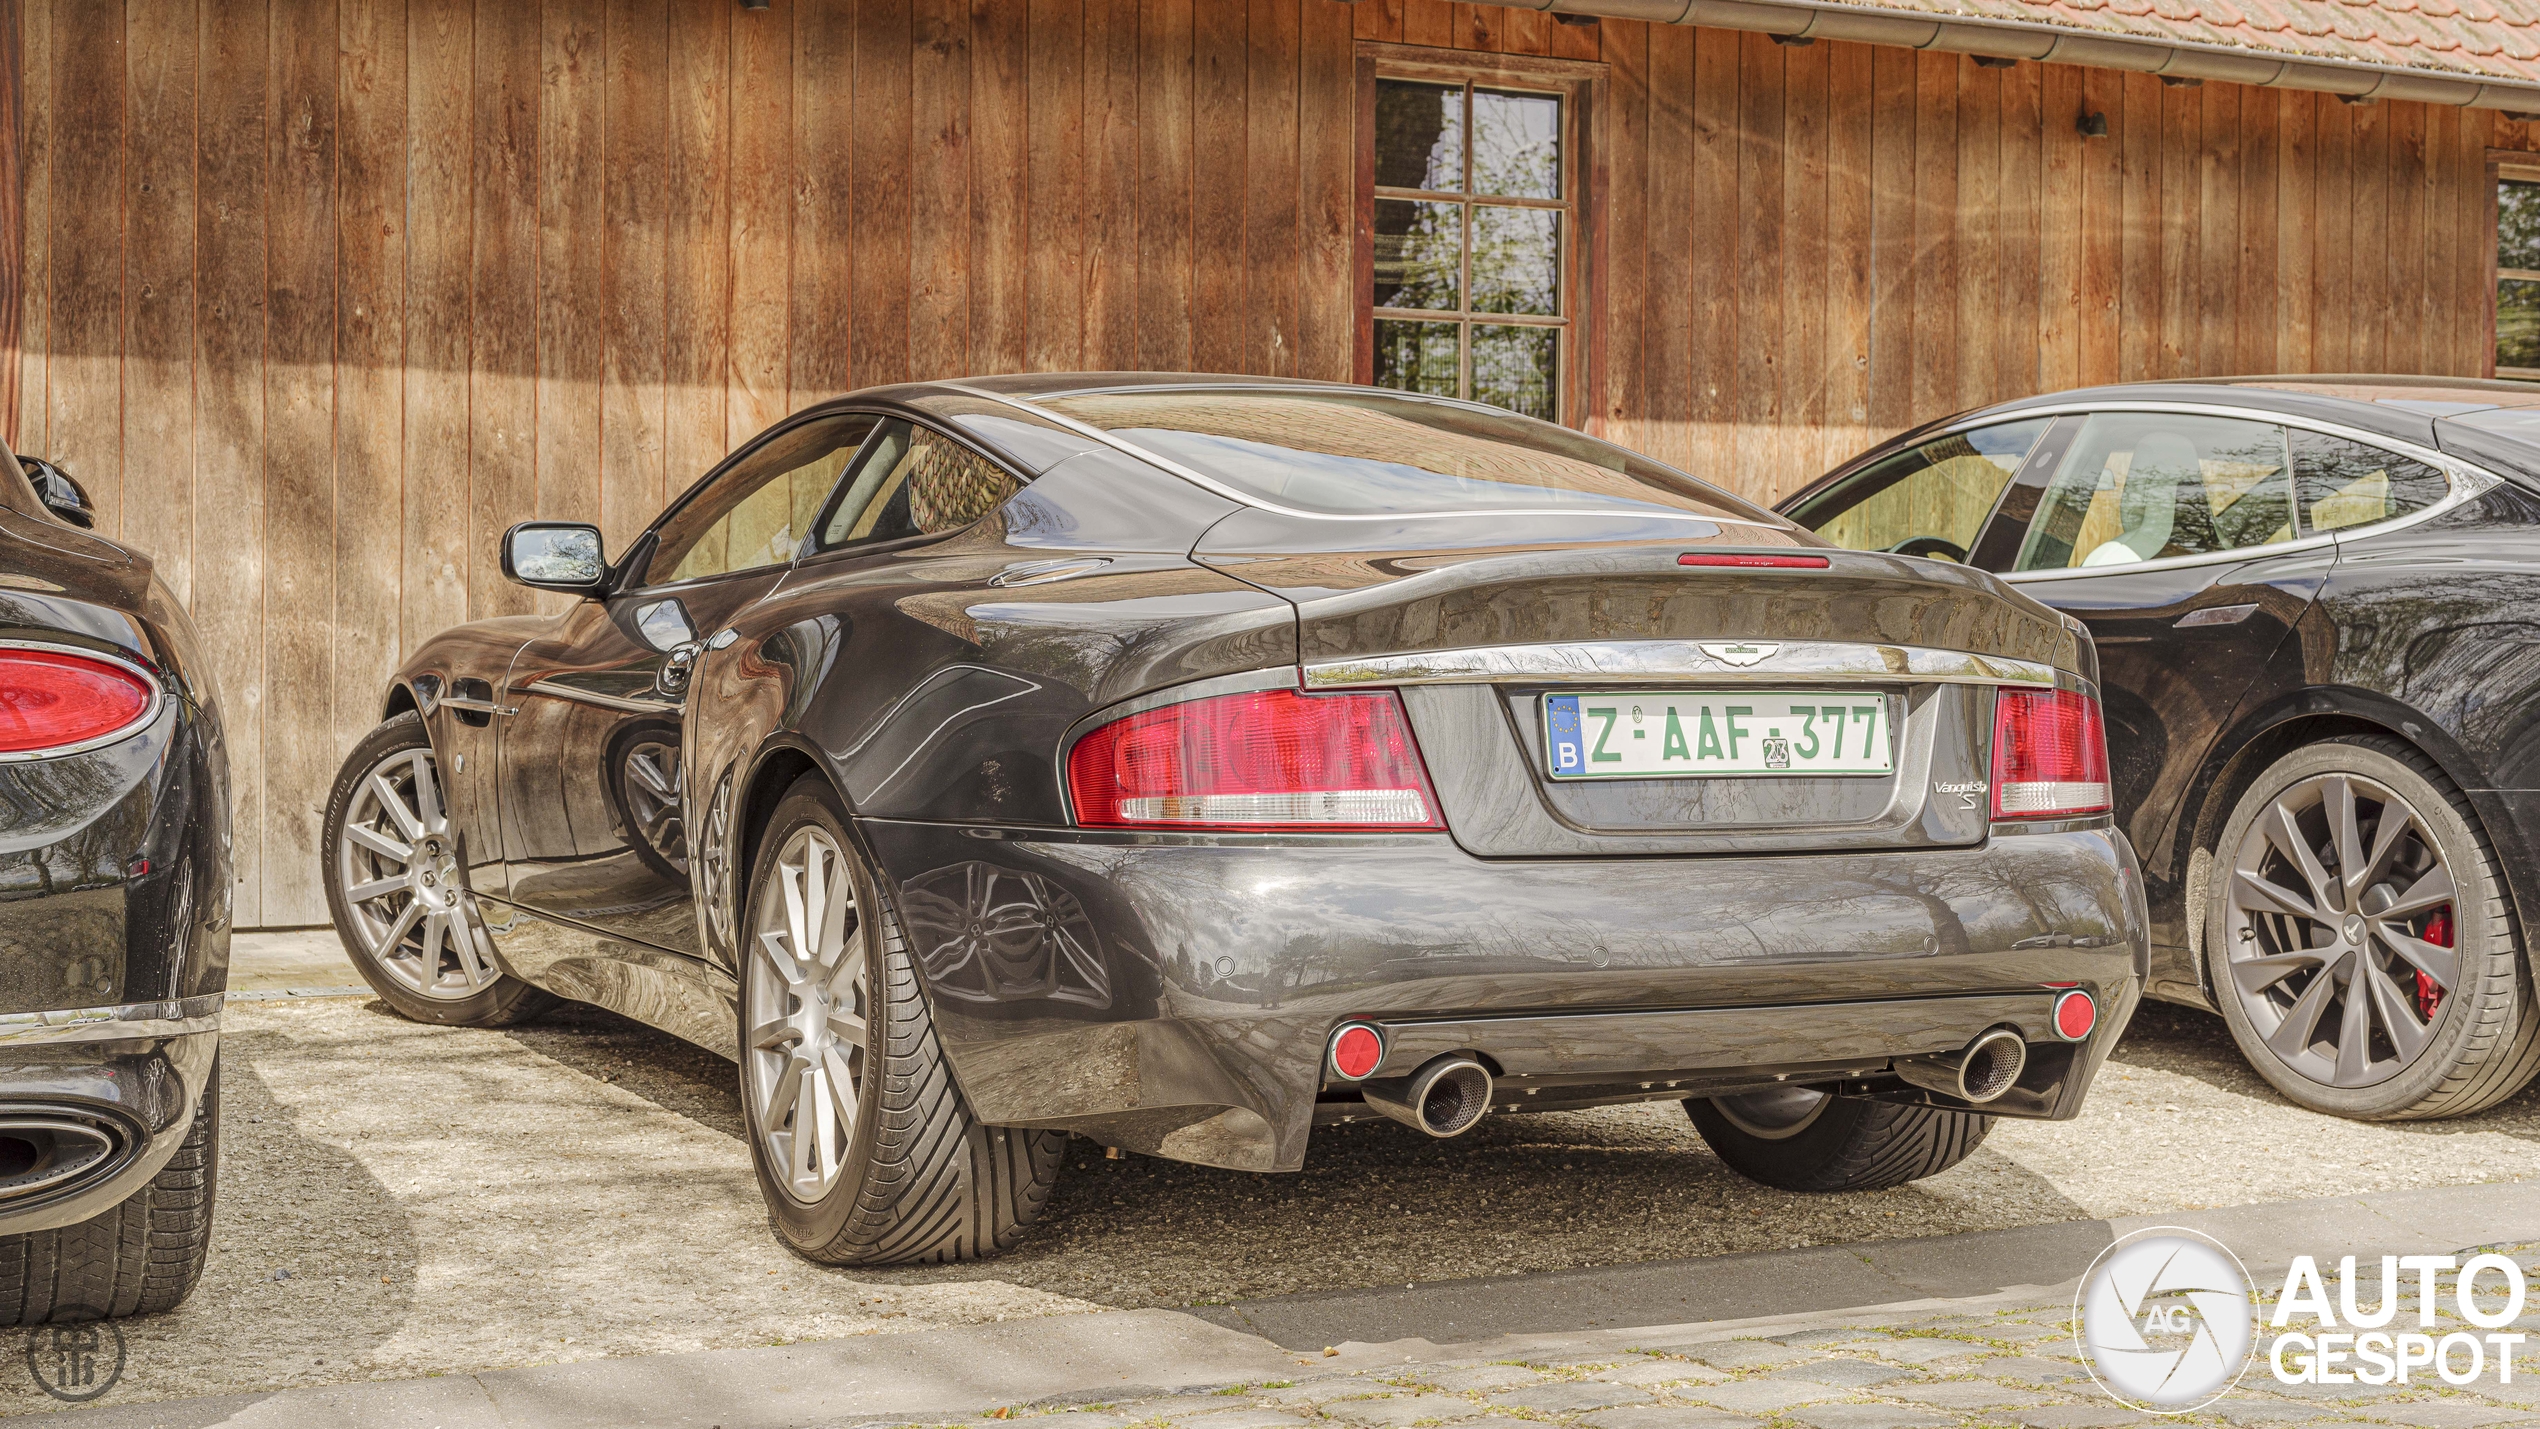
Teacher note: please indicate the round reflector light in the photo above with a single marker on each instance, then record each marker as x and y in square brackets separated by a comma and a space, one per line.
[55, 700]
[2075, 1015]
[1356, 1049]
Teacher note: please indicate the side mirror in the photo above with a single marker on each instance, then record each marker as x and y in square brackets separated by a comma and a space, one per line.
[62, 496]
[555, 555]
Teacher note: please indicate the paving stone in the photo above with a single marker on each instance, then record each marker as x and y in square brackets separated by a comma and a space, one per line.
[2019, 1332]
[1845, 1374]
[1669, 1416]
[1966, 1395]
[1484, 1377]
[1760, 1396]
[2073, 1416]
[1575, 1397]
[1247, 1416]
[1396, 1412]
[2442, 1414]
[1930, 1351]
[1816, 1339]
[2269, 1411]
[2524, 1392]
[2035, 1369]
[1648, 1372]
[1870, 1416]
[1743, 1354]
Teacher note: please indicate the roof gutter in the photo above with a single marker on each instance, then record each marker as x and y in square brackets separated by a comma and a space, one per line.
[2020, 40]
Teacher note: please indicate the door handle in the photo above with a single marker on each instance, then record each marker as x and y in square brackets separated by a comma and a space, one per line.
[2215, 615]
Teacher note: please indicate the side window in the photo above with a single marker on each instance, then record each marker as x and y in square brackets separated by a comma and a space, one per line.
[1929, 500]
[914, 482]
[2345, 483]
[758, 513]
[2143, 486]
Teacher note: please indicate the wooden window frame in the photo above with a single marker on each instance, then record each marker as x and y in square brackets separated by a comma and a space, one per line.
[2504, 164]
[1582, 86]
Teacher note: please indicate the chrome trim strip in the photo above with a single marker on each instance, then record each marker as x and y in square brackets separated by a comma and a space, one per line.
[1633, 662]
[148, 716]
[118, 1023]
[606, 702]
[1093, 433]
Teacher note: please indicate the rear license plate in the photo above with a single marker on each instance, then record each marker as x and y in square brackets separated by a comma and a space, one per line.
[1659, 734]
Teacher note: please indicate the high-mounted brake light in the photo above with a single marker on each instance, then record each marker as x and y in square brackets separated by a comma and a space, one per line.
[55, 701]
[1752, 561]
[2050, 755]
[1267, 759]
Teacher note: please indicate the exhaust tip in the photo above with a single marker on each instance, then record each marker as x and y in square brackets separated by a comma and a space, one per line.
[46, 1154]
[1452, 1097]
[1992, 1066]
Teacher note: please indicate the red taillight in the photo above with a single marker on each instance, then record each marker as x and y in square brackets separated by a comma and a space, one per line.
[1357, 1050]
[51, 699]
[2050, 755]
[1751, 561]
[2075, 1015]
[1270, 759]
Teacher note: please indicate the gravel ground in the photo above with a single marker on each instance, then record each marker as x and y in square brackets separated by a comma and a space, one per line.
[401, 1200]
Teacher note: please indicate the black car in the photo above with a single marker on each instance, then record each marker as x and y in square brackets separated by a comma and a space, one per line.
[1188, 762]
[2314, 605]
[114, 918]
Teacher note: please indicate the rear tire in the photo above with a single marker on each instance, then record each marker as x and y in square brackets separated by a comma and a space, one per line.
[140, 1258]
[1842, 1144]
[894, 1169]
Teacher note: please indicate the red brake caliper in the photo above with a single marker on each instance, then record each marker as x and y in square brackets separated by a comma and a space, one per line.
[2438, 931]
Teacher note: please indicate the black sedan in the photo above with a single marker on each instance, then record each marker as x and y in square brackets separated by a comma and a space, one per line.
[2313, 600]
[1187, 763]
[114, 919]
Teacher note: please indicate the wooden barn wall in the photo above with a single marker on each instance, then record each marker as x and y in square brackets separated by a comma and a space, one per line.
[317, 296]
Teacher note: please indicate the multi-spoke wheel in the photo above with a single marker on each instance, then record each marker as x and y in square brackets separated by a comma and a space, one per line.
[2359, 939]
[865, 1149]
[398, 890]
[645, 767]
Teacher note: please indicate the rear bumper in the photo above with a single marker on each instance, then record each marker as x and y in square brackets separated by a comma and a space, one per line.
[1174, 994]
[131, 1074]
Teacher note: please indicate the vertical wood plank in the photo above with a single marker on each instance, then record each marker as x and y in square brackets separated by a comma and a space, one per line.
[2218, 232]
[2064, 216]
[758, 373]
[1711, 332]
[696, 327]
[878, 223]
[1622, 410]
[2296, 229]
[1585, 42]
[370, 219]
[2407, 310]
[1270, 189]
[999, 196]
[13, 230]
[572, 257]
[1893, 141]
[434, 516]
[300, 413]
[635, 267]
[158, 286]
[2332, 270]
[1481, 28]
[1849, 145]
[2475, 290]
[1979, 236]
[1054, 283]
[1935, 382]
[86, 324]
[2255, 311]
[505, 309]
[2017, 330]
[1111, 171]
[229, 409]
[1327, 166]
[1379, 20]
[1799, 454]
[819, 334]
[1218, 124]
[1164, 184]
[1428, 22]
[2134, 193]
[1687, 179]
[2182, 128]
[2370, 295]
[939, 188]
[1526, 32]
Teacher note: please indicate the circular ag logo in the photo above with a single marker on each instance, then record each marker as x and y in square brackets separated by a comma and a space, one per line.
[2164, 1318]
[75, 1360]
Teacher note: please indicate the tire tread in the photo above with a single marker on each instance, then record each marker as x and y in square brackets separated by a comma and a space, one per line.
[141, 1257]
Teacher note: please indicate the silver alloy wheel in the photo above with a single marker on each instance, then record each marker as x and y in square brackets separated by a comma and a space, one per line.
[651, 781]
[1775, 1113]
[2340, 932]
[399, 868]
[806, 1061]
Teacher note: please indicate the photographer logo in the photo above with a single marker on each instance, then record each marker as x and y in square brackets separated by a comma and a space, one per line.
[75, 1360]
[2164, 1318]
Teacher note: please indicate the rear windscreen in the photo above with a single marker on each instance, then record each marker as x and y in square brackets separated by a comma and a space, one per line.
[1365, 454]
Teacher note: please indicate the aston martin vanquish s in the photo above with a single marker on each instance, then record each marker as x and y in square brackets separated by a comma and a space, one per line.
[1185, 763]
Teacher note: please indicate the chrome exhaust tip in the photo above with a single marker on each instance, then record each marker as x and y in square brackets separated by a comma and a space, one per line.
[1446, 1097]
[46, 1154]
[1986, 1069]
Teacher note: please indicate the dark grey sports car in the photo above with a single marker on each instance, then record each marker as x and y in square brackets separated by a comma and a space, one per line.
[1187, 762]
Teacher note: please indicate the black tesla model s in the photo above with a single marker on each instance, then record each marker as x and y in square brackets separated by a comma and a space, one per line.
[2314, 600]
[1188, 762]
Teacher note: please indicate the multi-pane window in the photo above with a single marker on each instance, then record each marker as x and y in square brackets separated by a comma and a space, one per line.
[2517, 278]
[1474, 222]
